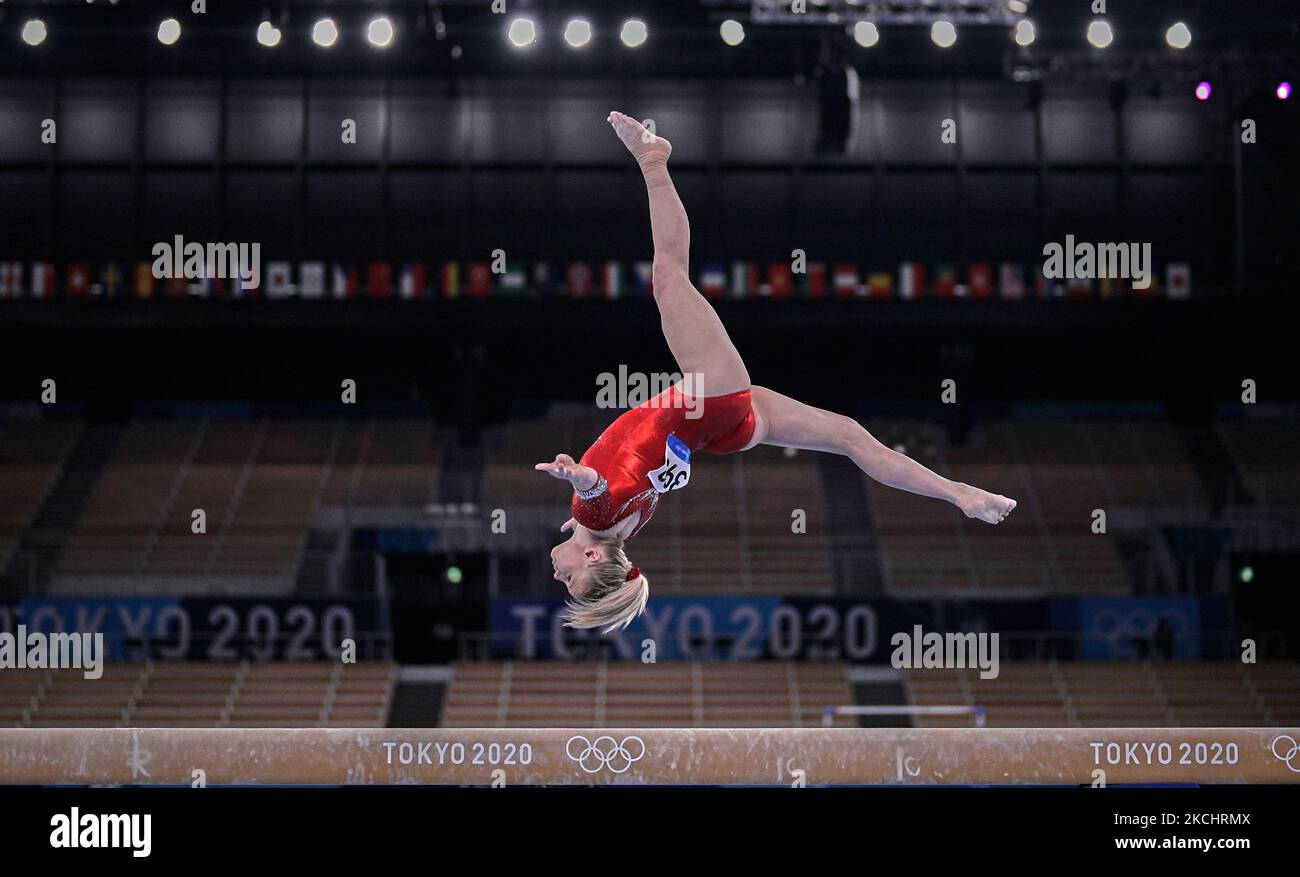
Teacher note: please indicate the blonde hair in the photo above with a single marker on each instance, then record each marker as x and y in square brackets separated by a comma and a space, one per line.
[614, 600]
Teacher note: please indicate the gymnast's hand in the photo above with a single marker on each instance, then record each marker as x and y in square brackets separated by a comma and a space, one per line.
[581, 477]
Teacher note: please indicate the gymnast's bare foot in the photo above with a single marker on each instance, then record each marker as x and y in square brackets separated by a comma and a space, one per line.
[645, 147]
[989, 507]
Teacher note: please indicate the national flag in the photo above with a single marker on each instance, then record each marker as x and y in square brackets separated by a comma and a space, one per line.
[143, 281]
[279, 280]
[945, 280]
[813, 283]
[1047, 287]
[236, 287]
[513, 281]
[379, 280]
[744, 279]
[880, 284]
[1040, 282]
[450, 284]
[1152, 290]
[478, 277]
[911, 280]
[43, 279]
[311, 280]
[845, 280]
[76, 280]
[346, 282]
[11, 279]
[1012, 280]
[979, 278]
[201, 287]
[1111, 287]
[1178, 280]
[643, 279]
[110, 281]
[176, 287]
[713, 279]
[781, 279]
[577, 280]
[544, 280]
[411, 284]
[611, 279]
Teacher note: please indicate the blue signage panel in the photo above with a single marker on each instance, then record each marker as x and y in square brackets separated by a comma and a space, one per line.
[175, 628]
[748, 628]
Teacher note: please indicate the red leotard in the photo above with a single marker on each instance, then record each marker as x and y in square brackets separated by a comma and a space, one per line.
[634, 444]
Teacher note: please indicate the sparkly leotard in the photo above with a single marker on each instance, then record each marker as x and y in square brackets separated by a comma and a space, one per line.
[633, 445]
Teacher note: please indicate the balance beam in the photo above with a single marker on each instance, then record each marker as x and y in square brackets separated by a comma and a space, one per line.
[784, 756]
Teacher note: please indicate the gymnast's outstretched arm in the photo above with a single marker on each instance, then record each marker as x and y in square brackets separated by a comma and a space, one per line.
[790, 423]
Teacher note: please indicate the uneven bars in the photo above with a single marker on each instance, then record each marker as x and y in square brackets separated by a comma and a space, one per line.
[705, 756]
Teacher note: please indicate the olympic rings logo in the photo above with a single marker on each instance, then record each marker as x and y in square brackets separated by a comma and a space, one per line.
[1290, 754]
[605, 752]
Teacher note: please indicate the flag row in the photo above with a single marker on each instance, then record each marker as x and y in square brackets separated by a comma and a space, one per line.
[1010, 280]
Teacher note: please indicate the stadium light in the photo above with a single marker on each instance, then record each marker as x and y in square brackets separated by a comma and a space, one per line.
[1024, 34]
[169, 31]
[1100, 34]
[866, 34]
[634, 33]
[577, 33]
[34, 32]
[325, 33]
[1178, 36]
[380, 32]
[944, 34]
[268, 35]
[733, 32]
[522, 32]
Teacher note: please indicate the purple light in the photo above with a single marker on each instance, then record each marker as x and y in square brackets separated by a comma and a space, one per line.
[1203, 91]
[1283, 90]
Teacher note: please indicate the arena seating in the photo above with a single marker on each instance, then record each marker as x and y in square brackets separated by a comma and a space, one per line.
[670, 694]
[512, 694]
[259, 483]
[1112, 694]
[509, 477]
[201, 695]
[1265, 456]
[1058, 472]
[31, 453]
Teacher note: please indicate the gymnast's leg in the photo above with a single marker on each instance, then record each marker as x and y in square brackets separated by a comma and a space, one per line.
[789, 423]
[695, 335]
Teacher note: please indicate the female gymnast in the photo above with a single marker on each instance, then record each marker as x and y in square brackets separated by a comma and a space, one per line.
[619, 481]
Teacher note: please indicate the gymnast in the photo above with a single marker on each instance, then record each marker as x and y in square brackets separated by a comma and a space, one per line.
[619, 481]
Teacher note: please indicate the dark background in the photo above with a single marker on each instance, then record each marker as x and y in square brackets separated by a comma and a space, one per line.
[466, 145]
